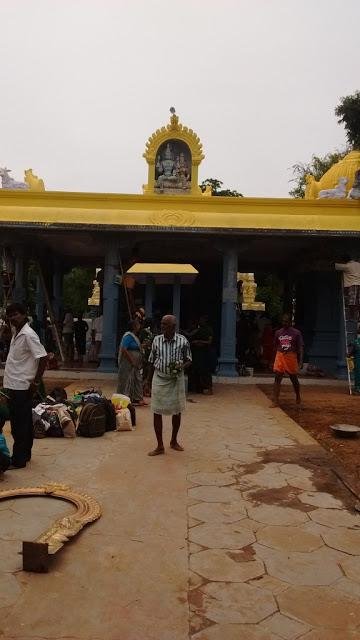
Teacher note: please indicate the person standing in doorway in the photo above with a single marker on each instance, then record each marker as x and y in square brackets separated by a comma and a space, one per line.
[96, 335]
[289, 347]
[80, 330]
[24, 367]
[201, 344]
[68, 335]
[170, 355]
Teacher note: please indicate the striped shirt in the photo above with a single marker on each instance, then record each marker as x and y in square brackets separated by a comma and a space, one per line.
[164, 352]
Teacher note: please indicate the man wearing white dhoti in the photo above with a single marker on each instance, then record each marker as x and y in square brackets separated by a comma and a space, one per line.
[170, 355]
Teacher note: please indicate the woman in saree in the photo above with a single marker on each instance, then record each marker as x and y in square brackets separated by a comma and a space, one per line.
[130, 361]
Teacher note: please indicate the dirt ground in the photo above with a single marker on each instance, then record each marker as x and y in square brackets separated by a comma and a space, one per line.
[322, 407]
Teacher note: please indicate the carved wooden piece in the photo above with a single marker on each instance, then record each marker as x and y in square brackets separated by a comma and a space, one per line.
[37, 554]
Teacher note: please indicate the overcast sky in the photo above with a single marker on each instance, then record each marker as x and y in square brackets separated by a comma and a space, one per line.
[84, 83]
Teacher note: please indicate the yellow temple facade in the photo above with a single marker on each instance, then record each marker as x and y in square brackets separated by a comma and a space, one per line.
[173, 221]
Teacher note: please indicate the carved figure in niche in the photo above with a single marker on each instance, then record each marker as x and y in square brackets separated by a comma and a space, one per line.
[354, 193]
[337, 193]
[166, 168]
[10, 183]
[173, 167]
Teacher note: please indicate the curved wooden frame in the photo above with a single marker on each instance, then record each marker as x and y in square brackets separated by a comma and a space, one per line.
[37, 554]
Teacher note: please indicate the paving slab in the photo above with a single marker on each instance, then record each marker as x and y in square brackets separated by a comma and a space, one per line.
[232, 539]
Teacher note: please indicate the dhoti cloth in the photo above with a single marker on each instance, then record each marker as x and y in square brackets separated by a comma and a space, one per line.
[168, 393]
[286, 363]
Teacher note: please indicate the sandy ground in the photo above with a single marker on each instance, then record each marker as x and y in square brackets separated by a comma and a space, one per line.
[322, 407]
[246, 535]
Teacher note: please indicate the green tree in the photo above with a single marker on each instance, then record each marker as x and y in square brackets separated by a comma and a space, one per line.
[317, 166]
[217, 190]
[78, 288]
[270, 289]
[348, 114]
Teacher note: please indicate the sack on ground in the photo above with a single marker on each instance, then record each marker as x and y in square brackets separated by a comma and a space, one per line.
[92, 421]
[120, 401]
[123, 420]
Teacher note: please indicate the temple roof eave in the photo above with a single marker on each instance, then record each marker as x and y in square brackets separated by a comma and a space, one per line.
[122, 211]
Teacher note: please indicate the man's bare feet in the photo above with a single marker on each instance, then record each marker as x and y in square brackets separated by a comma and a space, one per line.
[176, 446]
[157, 452]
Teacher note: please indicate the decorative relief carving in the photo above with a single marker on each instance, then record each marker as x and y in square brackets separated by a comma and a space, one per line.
[36, 555]
[168, 218]
[179, 131]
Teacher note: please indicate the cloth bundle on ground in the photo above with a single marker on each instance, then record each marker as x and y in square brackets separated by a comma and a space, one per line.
[53, 418]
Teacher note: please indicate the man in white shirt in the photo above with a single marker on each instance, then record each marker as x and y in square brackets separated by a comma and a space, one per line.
[24, 367]
[351, 282]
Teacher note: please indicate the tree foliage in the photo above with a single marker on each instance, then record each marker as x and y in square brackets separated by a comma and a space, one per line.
[78, 288]
[317, 166]
[270, 289]
[348, 114]
[217, 190]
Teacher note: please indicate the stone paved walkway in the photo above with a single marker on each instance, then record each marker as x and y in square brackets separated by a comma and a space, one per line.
[247, 535]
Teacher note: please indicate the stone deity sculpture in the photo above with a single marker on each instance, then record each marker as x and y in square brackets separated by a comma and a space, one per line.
[166, 168]
[10, 183]
[337, 193]
[354, 193]
[172, 174]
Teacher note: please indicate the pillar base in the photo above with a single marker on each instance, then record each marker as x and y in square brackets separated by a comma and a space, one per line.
[227, 368]
[341, 370]
[107, 364]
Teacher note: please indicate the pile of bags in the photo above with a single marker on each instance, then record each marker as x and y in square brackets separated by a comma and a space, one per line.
[88, 414]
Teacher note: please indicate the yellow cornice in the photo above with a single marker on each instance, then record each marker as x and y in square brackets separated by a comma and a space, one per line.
[124, 211]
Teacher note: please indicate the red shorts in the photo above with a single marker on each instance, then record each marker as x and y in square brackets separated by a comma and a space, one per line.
[286, 363]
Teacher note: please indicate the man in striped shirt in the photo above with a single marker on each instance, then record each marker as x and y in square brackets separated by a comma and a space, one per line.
[170, 355]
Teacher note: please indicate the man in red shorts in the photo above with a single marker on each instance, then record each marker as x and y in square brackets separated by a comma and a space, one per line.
[289, 347]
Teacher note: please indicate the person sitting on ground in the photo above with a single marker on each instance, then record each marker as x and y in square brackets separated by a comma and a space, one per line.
[130, 381]
[5, 459]
[289, 347]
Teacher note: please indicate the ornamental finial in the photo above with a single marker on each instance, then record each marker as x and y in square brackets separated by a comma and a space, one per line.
[174, 119]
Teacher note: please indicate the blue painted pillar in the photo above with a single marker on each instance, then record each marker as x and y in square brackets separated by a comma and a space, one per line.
[57, 290]
[227, 359]
[108, 355]
[19, 293]
[149, 296]
[177, 299]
